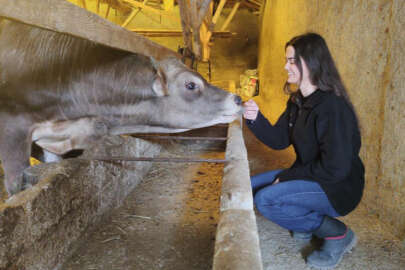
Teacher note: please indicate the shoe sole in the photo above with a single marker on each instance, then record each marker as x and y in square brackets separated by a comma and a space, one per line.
[348, 249]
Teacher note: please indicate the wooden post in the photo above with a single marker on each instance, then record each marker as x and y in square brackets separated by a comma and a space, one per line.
[205, 35]
[230, 16]
[84, 4]
[185, 23]
[98, 6]
[108, 11]
[195, 26]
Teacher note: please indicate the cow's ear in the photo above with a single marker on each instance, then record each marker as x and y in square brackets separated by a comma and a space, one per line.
[160, 84]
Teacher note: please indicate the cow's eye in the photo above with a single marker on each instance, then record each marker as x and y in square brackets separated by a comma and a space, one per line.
[191, 85]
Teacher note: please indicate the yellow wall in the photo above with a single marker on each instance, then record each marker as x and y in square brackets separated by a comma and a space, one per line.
[366, 39]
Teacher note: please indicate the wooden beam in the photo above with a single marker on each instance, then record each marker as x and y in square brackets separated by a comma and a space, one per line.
[218, 11]
[65, 17]
[230, 16]
[170, 32]
[131, 17]
[137, 4]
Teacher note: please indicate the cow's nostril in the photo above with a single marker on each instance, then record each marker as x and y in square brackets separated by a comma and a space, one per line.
[238, 100]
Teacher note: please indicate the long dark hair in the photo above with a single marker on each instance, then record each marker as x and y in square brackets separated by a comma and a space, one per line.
[312, 48]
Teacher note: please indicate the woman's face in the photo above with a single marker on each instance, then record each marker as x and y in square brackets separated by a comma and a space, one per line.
[294, 75]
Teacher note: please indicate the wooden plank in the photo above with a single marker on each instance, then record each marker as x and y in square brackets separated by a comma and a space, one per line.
[64, 17]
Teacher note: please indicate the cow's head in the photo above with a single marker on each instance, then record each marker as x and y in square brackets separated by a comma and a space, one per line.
[186, 100]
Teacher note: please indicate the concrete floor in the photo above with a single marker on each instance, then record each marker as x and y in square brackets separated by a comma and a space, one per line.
[377, 248]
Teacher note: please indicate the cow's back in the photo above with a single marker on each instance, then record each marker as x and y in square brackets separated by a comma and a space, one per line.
[42, 70]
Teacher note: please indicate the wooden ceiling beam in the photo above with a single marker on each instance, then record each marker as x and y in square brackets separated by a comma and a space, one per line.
[64, 17]
[230, 16]
[136, 4]
[170, 32]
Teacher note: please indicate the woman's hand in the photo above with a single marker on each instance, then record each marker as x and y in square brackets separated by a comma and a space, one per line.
[251, 110]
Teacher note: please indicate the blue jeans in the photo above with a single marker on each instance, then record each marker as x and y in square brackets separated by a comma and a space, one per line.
[296, 205]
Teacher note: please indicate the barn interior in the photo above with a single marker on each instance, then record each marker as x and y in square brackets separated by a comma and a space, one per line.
[170, 220]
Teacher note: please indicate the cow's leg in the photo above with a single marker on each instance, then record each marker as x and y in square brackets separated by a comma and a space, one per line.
[15, 145]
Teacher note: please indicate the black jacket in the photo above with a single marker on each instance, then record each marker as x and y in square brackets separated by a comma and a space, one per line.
[324, 132]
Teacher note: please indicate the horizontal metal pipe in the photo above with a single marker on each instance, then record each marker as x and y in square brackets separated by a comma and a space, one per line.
[159, 159]
[181, 137]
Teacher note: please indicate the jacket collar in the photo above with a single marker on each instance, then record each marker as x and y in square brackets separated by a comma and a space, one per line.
[310, 101]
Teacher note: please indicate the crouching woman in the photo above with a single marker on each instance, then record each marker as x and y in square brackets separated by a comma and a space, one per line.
[327, 179]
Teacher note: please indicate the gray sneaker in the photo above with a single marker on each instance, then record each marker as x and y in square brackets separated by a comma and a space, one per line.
[332, 251]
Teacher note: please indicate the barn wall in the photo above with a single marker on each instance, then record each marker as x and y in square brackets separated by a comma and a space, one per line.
[366, 39]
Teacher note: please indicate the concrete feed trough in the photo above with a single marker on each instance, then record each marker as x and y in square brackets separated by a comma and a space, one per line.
[40, 228]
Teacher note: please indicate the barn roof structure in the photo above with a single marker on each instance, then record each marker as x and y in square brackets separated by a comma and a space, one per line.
[198, 19]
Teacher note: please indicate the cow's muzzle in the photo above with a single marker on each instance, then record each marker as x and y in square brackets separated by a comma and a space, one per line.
[238, 100]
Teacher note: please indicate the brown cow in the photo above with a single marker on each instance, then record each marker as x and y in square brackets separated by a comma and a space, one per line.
[63, 92]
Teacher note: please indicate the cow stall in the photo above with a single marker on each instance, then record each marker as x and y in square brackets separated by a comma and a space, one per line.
[41, 227]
